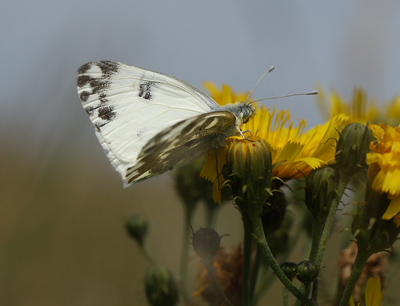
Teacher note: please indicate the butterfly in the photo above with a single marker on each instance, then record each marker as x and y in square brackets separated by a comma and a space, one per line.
[149, 122]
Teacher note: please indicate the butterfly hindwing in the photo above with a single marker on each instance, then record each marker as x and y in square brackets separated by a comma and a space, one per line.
[181, 143]
[129, 106]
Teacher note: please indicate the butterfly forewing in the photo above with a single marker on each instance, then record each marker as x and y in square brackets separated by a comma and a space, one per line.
[129, 106]
[181, 143]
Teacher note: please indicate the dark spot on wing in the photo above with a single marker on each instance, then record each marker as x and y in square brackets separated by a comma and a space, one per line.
[98, 126]
[84, 68]
[108, 68]
[84, 95]
[102, 97]
[89, 110]
[82, 80]
[188, 128]
[107, 113]
[99, 85]
[145, 90]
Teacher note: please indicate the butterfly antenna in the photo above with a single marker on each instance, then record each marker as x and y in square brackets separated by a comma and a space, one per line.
[314, 92]
[259, 80]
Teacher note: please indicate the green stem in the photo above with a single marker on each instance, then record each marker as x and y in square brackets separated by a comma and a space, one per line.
[321, 231]
[285, 297]
[262, 242]
[214, 282]
[247, 250]
[185, 251]
[343, 181]
[317, 229]
[255, 273]
[359, 264]
[314, 293]
[147, 254]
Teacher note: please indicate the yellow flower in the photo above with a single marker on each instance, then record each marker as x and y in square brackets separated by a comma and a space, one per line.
[386, 155]
[295, 153]
[359, 108]
[373, 293]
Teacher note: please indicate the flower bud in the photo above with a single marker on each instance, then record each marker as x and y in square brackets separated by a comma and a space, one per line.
[278, 239]
[206, 242]
[352, 147]
[274, 213]
[320, 190]
[250, 173]
[290, 269]
[307, 271]
[373, 233]
[137, 228]
[190, 185]
[160, 286]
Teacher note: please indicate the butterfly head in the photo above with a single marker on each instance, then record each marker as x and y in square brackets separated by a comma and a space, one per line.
[246, 111]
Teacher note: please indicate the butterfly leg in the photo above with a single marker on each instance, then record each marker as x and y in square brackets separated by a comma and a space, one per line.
[242, 133]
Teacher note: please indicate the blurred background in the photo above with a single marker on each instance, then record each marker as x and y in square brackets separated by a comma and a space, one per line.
[62, 236]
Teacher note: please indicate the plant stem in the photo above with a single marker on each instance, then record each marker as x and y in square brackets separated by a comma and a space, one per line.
[247, 250]
[285, 297]
[321, 231]
[214, 282]
[359, 264]
[147, 254]
[343, 181]
[255, 273]
[262, 242]
[185, 251]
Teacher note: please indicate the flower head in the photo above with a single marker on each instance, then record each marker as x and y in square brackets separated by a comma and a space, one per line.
[294, 153]
[385, 158]
[360, 108]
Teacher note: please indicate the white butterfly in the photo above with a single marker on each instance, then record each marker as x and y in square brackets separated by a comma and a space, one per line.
[149, 122]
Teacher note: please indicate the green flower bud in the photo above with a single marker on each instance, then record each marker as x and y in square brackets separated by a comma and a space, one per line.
[290, 269]
[373, 233]
[160, 286]
[320, 190]
[136, 227]
[352, 147]
[278, 240]
[190, 185]
[250, 169]
[274, 213]
[206, 242]
[307, 271]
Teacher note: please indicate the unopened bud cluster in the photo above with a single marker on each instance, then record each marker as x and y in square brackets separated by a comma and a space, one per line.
[305, 271]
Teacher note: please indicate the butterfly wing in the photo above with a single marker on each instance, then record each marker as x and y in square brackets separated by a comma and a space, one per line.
[129, 106]
[181, 143]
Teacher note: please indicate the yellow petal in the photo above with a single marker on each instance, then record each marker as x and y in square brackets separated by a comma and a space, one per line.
[373, 293]
[393, 209]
